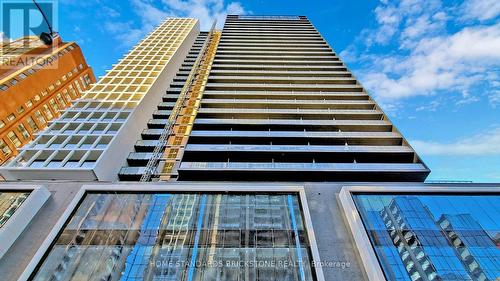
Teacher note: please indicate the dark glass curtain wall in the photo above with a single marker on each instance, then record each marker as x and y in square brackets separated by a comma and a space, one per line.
[434, 237]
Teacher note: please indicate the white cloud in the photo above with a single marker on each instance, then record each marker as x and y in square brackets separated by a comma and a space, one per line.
[425, 24]
[481, 9]
[205, 10]
[454, 62]
[110, 12]
[494, 98]
[124, 32]
[149, 14]
[425, 59]
[152, 14]
[432, 106]
[411, 16]
[487, 144]
[389, 19]
[467, 98]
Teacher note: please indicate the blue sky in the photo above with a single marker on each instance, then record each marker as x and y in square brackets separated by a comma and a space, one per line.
[433, 65]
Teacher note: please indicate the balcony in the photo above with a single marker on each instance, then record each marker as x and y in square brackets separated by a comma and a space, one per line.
[139, 158]
[290, 103]
[161, 114]
[264, 79]
[258, 66]
[285, 87]
[293, 125]
[294, 137]
[287, 96]
[248, 171]
[264, 56]
[282, 62]
[290, 114]
[298, 148]
[279, 73]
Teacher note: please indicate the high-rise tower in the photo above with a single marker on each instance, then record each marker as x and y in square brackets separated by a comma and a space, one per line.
[279, 104]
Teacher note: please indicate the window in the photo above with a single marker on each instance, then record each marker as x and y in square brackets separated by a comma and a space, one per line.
[54, 105]
[23, 131]
[72, 91]
[39, 117]
[5, 148]
[87, 78]
[37, 164]
[441, 236]
[9, 203]
[20, 110]
[84, 83]
[72, 164]
[29, 104]
[51, 88]
[22, 76]
[54, 164]
[2, 124]
[99, 129]
[14, 139]
[4, 87]
[13, 82]
[261, 236]
[60, 100]
[88, 164]
[47, 112]
[11, 117]
[32, 124]
[36, 98]
[78, 86]
[67, 97]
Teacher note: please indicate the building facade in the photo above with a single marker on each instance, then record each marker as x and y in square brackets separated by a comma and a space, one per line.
[247, 153]
[37, 82]
[278, 104]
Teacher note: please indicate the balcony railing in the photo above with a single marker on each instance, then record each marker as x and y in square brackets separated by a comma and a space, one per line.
[328, 167]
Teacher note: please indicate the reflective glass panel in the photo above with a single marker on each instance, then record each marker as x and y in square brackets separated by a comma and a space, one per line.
[160, 236]
[434, 237]
[9, 203]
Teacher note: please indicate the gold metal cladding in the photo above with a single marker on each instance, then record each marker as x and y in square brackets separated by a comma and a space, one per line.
[185, 120]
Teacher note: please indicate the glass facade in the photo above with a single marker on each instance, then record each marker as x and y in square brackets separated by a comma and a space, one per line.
[434, 237]
[181, 236]
[9, 203]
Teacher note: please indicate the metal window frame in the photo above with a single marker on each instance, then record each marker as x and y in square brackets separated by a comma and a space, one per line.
[21, 218]
[177, 188]
[371, 264]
